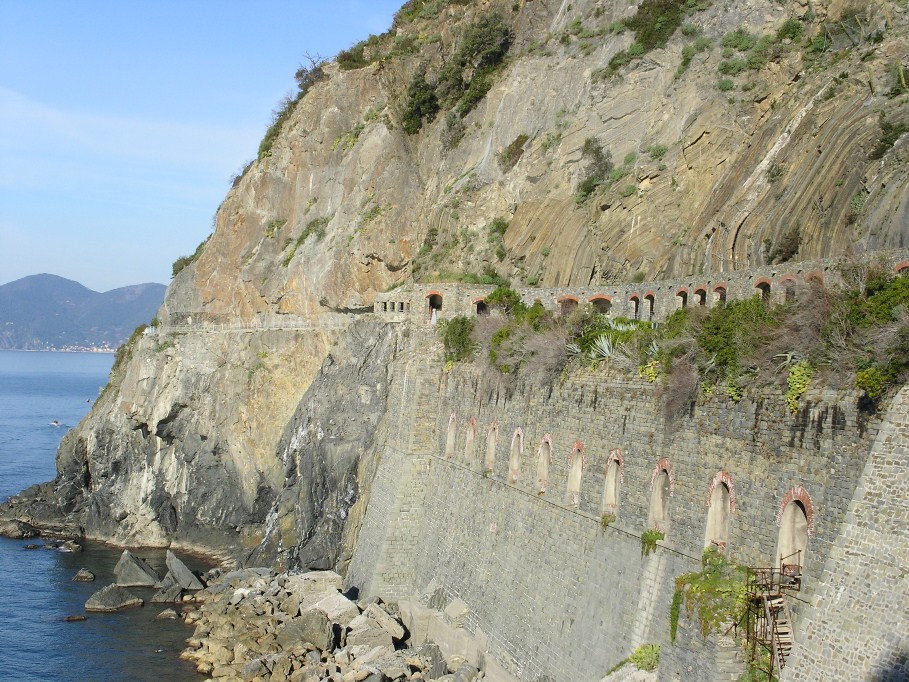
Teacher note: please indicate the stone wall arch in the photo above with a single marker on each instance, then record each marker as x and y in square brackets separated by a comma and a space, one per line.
[662, 487]
[544, 459]
[492, 435]
[614, 477]
[576, 461]
[720, 505]
[795, 519]
[470, 438]
[451, 436]
[517, 450]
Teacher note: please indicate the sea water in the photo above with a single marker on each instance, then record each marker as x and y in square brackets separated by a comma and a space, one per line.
[42, 395]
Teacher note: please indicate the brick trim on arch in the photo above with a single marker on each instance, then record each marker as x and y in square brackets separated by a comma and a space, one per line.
[519, 434]
[599, 297]
[722, 477]
[577, 447]
[798, 493]
[478, 299]
[567, 297]
[787, 278]
[700, 289]
[650, 295]
[762, 280]
[434, 292]
[548, 440]
[634, 297]
[681, 290]
[615, 455]
[815, 275]
[899, 267]
[721, 285]
[661, 465]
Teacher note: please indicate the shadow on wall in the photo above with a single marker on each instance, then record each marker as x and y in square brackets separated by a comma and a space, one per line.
[898, 670]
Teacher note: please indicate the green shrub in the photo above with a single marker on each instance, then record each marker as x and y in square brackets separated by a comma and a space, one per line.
[890, 133]
[512, 153]
[422, 105]
[657, 151]
[739, 40]
[183, 261]
[646, 657]
[875, 380]
[717, 594]
[456, 338]
[628, 190]
[725, 85]
[599, 167]
[733, 67]
[606, 520]
[799, 377]
[649, 539]
[791, 29]
[507, 299]
[279, 117]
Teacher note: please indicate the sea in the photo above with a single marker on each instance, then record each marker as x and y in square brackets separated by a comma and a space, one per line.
[42, 395]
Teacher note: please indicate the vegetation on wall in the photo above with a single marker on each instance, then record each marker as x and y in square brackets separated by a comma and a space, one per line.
[183, 261]
[465, 78]
[715, 595]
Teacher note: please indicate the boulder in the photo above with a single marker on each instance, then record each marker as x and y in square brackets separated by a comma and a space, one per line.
[181, 574]
[74, 619]
[18, 530]
[131, 571]
[313, 582]
[167, 614]
[364, 631]
[112, 598]
[313, 627]
[394, 628]
[167, 595]
[337, 607]
[84, 576]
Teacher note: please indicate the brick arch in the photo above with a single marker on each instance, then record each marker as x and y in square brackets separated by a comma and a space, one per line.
[519, 434]
[599, 297]
[567, 297]
[634, 297]
[478, 299]
[661, 465]
[900, 267]
[722, 477]
[577, 447]
[681, 290]
[700, 289]
[721, 285]
[797, 493]
[615, 455]
[434, 292]
[815, 275]
[787, 278]
[762, 281]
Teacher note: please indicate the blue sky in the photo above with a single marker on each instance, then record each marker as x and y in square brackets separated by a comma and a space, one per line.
[122, 122]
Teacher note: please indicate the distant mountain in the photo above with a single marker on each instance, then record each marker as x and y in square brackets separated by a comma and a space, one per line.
[47, 312]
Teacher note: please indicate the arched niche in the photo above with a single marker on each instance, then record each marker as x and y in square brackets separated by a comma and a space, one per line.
[682, 298]
[650, 305]
[491, 435]
[717, 532]
[662, 485]
[700, 296]
[575, 473]
[614, 476]
[514, 459]
[601, 304]
[452, 435]
[567, 305]
[544, 459]
[795, 519]
[470, 438]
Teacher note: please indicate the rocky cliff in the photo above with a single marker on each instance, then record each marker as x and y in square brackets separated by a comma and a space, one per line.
[611, 140]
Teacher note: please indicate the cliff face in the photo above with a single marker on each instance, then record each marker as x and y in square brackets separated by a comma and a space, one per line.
[205, 436]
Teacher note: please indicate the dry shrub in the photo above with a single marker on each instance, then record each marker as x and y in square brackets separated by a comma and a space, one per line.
[545, 355]
[680, 388]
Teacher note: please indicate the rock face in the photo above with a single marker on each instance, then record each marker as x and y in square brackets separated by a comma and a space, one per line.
[112, 598]
[246, 424]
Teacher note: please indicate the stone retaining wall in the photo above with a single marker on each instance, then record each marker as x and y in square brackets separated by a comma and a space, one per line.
[553, 593]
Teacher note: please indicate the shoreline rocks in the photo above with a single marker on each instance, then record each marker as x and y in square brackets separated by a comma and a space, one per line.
[131, 571]
[255, 625]
[112, 598]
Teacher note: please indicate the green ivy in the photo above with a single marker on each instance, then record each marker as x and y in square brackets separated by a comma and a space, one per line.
[649, 539]
[799, 378]
[716, 594]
